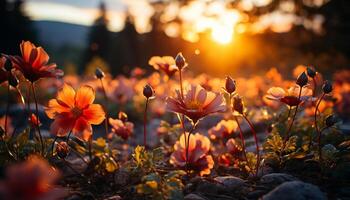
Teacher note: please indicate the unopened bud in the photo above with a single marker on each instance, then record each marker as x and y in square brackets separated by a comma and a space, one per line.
[8, 65]
[238, 104]
[302, 79]
[99, 73]
[13, 81]
[327, 87]
[180, 61]
[310, 72]
[123, 116]
[148, 91]
[230, 85]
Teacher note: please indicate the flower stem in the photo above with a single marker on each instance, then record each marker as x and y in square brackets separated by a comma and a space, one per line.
[256, 143]
[188, 144]
[145, 124]
[242, 138]
[291, 124]
[106, 106]
[316, 126]
[7, 108]
[37, 119]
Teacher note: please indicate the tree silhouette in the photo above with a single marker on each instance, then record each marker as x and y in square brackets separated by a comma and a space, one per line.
[15, 26]
[98, 38]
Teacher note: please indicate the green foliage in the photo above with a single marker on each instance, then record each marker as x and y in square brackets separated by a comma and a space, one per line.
[144, 161]
[157, 186]
[276, 150]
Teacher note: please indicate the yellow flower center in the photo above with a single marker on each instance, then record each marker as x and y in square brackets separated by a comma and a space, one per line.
[76, 111]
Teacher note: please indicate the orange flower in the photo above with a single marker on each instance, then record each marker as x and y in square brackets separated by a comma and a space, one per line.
[196, 104]
[122, 129]
[291, 96]
[165, 63]
[74, 111]
[34, 63]
[31, 180]
[223, 129]
[198, 158]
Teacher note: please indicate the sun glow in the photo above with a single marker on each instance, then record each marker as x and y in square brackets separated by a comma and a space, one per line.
[222, 34]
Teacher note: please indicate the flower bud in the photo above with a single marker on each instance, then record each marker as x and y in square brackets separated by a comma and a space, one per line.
[310, 72]
[62, 149]
[122, 116]
[148, 91]
[13, 81]
[99, 73]
[302, 79]
[238, 104]
[180, 61]
[331, 120]
[8, 65]
[327, 87]
[230, 85]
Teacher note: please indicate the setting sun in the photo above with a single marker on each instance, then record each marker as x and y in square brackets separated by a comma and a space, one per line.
[222, 35]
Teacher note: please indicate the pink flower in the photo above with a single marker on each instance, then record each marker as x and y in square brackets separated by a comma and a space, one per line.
[223, 129]
[289, 97]
[196, 104]
[198, 158]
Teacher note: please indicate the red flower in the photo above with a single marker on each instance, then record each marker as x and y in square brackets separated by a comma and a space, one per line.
[34, 63]
[198, 158]
[31, 180]
[197, 103]
[122, 129]
[74, 111]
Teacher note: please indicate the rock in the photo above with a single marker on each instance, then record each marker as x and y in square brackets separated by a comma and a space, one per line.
[295, 190]
[275, 179]
[230, 182]
[206, 187]
[121, 177]
[193, 197]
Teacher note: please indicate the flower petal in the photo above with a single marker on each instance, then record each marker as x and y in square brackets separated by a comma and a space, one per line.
[55, 108]
[94, 114]
[84, 97]
[62, 124]
[82, 129]
[26, 49]
[66, 95]
[41, 59]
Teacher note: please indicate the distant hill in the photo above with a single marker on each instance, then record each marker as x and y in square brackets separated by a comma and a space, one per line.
[56, 34]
